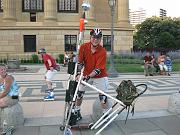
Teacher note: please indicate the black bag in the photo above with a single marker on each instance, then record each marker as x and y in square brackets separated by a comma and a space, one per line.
[72, 87]
[71, 67]
[73, 118]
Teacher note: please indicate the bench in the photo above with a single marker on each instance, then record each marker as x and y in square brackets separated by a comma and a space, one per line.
[12, 115]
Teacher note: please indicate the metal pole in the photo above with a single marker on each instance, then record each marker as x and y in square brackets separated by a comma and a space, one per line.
[112, 31]
[112, 71]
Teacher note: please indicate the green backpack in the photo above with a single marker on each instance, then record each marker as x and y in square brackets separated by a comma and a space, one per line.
[127, 93]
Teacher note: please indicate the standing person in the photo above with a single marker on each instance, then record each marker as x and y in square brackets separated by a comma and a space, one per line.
[50, 64]
[72, 57]
[148, 66]
[9, 90]
[66, 58]
[93, 57]
[168, 63]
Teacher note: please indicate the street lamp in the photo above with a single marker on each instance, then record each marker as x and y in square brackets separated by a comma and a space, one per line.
[85, 7]
[112, 71]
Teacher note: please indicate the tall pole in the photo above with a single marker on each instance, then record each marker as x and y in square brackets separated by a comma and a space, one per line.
[112, 71]
[112, 32]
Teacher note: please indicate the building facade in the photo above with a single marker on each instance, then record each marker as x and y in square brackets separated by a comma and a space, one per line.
[27, 25]
[137, 16]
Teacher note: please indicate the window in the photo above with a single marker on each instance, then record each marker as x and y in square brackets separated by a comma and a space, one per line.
[1, 5]
[107, 42]
[69, 6]
[33, 5]
[29, 43]
[70, 42]
[33, 17]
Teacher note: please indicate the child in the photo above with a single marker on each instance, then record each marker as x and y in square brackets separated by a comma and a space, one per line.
[168, 63]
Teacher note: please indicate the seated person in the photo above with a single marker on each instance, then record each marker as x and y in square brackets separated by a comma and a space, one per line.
[168, 63]
[148, 66]
[162, 66]
[9, 89]
[155, 64]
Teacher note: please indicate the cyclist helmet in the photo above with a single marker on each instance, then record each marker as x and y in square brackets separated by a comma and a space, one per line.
[96, 33]
[41, 51]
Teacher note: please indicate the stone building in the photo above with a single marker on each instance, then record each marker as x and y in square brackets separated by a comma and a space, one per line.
[27, 25]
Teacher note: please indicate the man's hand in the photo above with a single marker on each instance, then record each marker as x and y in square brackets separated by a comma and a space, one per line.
[51, 68]
[78, 76]
[86, 78]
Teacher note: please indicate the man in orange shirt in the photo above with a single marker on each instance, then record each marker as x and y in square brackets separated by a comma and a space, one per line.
[93, 57]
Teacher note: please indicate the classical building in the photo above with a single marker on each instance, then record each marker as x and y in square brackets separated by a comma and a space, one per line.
[27, 25]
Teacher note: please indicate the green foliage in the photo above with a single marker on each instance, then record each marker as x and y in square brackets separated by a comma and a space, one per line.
[61, 58]
[35, 58]
[3, 60]
[157, 34]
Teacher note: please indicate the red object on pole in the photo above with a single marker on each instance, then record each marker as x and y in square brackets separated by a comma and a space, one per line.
[81, 27]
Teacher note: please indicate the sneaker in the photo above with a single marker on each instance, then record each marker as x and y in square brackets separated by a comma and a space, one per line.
[79, 117]
[49, 98]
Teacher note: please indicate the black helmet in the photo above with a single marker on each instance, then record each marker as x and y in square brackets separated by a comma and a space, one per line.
[96, 33]
[42, 50]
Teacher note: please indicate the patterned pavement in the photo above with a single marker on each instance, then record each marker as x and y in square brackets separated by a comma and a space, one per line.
[33, 90]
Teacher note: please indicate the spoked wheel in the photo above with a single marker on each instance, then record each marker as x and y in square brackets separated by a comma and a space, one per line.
[62, 128]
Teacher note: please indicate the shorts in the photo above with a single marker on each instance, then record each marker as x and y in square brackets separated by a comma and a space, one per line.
[99, 83]
[8, 101]
[50, 74]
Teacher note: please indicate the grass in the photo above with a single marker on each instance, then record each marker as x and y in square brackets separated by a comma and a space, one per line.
[124, 68]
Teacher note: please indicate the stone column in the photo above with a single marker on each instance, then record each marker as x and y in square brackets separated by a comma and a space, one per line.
[90, 13]
[50, 10]
[123, 11]
[9, 10]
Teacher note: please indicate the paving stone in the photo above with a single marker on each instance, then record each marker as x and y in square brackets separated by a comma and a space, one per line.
[136, 126]
[158, 132]
[169, 124]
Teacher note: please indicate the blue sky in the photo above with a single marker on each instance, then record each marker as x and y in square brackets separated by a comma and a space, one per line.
[152, 6]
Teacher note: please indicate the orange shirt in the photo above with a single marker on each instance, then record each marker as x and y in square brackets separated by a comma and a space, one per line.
[94, 60]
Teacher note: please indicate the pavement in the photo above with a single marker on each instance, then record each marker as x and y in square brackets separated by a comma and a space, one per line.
[44, 118]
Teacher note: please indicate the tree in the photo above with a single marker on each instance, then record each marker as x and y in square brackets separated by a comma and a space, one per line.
[155, 33]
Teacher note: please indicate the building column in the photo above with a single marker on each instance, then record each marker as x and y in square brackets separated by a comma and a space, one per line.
[123, 12]
[90, 13]
[9, 10]
[50, 10]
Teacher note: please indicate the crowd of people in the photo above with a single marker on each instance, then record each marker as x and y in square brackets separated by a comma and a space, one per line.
[157, 65]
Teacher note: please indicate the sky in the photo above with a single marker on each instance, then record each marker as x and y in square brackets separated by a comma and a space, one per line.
[152, 7]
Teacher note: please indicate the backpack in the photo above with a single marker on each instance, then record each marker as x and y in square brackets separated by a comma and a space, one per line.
[127, 93]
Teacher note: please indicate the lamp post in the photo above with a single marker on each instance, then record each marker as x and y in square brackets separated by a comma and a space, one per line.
[112, 71]
[85, 7]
